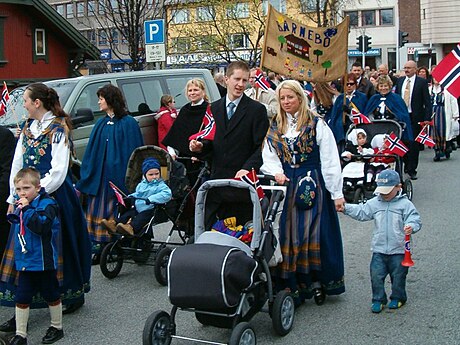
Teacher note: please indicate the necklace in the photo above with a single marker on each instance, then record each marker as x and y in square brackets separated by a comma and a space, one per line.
[40, 125]
[292, 123]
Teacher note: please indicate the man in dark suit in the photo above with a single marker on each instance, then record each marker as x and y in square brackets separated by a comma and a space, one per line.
[241, 125]
[364, 85]
[414, 91]
[7, 146]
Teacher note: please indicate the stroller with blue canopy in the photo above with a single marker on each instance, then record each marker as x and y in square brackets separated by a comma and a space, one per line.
[219, 278]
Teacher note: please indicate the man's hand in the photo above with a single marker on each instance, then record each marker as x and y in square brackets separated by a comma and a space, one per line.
[241, 173]
[195, 146]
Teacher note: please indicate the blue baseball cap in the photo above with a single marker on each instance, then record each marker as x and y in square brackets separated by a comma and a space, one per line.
[386, 181]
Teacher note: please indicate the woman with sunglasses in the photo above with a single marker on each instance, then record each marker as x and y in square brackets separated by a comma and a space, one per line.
[340, 118]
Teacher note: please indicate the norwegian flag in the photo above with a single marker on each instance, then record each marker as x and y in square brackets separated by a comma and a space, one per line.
[424, 138]
[395, 145]
[252, 179]
[4, 100]
[260, 80]
[358, 118]
[118, 193]
[447, 72]
[208, 125]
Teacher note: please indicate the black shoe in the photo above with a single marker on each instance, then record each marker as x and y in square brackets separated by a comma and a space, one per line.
[319, 296]
[52, 335]
[95, 259]
[413, 176]
[8, 326]
[18, 340]
[71, 308]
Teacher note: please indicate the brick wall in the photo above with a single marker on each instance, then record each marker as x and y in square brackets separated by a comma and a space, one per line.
[409, 14]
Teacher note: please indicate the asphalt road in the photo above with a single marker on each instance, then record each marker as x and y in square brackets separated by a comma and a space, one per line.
[116, 310]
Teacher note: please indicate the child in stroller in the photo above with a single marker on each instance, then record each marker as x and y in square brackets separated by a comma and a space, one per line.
[383, 159]
[354, 157]
[150, 191]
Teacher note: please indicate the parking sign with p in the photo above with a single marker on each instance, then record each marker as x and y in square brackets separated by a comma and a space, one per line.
[154, 31]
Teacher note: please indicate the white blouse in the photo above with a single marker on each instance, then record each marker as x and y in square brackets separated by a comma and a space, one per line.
[330, 161]
[60, 153]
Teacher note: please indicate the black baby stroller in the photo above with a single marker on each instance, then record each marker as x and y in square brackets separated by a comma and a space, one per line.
[180, 211]
[224, 281]
[356, 190]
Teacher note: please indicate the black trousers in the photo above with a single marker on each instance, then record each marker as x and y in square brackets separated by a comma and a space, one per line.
[138, 220]
[411, 157]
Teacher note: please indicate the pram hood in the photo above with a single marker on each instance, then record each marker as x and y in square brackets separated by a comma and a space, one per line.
[202, 217]
[377, 127]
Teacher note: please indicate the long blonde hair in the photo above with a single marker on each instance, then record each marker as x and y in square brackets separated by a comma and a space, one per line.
[305, 115]
[199, 83]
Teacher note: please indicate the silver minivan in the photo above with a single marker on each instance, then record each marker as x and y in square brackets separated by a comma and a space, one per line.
[142, 91]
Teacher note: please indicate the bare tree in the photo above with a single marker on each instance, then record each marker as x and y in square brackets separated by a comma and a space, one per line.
[121, 24]
[223, 30]
[324, 12]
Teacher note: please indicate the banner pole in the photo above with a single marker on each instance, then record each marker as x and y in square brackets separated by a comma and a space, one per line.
[267, 21]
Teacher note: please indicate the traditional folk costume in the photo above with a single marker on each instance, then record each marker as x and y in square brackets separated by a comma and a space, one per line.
[445, 110]
[106, 158]
[311, 242]
[46, 145]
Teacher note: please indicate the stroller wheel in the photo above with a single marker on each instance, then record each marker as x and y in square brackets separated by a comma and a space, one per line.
[243, 334]
[283, 313]
[408, 189]
[158, 329]
[161, 265]
[111, 260]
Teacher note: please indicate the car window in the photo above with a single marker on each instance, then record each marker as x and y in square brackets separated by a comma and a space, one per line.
[87, 98]
[142, 94]
[176, 87]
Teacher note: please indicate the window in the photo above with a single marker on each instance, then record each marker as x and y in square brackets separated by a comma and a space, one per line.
[69, 10]
[124, 35]
[91, 8]
[114, 4]
[279, 5]
[368, 18]
[386, 16]
[88, 98]
[80, 9]
[91, 36]
[205, 42]
[102, 37]
[310, 5]
[114, 36]
[205, 13]
[143, 90]
[101, 7]
[181, 45]
[181, 16]
[238, 41]
[353, 17]
[238, 10]
[40, 48]
[60, 9]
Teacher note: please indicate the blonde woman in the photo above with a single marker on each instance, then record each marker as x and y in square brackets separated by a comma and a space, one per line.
[300, 144]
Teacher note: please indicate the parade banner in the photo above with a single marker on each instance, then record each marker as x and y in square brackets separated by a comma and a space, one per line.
[302, 52]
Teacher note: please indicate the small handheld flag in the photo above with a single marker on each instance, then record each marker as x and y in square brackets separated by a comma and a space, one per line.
[261, 82]
[252, 179]
[424, 138]
[118, 193]
[4, 100]
[208, 125]
[358, 118]
[395, 145]
[447, 72]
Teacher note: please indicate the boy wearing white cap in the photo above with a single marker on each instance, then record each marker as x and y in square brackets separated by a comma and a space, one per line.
[394, 216]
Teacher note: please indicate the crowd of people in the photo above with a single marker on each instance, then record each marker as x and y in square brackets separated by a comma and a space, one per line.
[282, 131]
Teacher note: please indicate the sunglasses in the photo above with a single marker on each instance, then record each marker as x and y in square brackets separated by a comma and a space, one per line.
[350, 84]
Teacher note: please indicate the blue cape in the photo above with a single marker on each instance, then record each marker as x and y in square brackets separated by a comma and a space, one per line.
[108, 152]
[359, 99]
[396, 105]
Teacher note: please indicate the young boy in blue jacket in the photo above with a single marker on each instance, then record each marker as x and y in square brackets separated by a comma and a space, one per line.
[36, 230]
[151, 187]
[394, 216]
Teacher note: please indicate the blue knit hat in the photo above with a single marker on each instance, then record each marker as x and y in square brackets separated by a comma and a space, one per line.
[150, 163]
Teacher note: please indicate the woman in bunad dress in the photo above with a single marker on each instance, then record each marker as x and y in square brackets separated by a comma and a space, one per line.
[299, 142]
[390, 106]
[45, 143]
[445, 112]
[112, 140]
[188, 122]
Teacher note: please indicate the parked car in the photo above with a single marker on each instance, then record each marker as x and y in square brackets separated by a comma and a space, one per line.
[142, 91]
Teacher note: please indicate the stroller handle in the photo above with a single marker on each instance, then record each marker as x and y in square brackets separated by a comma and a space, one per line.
[271, 178]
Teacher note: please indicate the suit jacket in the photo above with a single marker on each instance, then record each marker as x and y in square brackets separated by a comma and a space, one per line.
[420, 100]
[237, 142]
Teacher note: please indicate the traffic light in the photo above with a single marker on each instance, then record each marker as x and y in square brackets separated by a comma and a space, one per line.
[367, 43]
[359, 43]
[403, 38]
